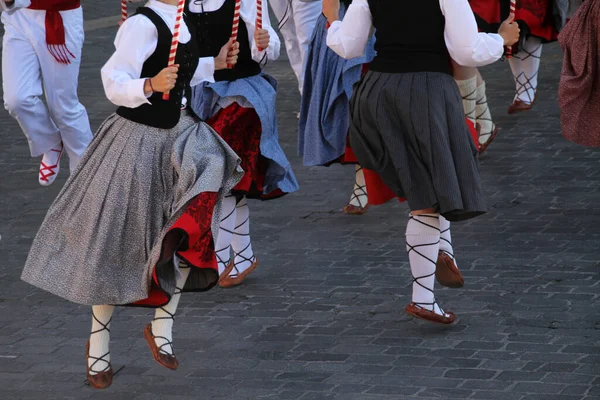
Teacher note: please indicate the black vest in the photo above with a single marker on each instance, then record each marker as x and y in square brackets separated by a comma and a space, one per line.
[164, 114]
[213, 30]
[409, 36]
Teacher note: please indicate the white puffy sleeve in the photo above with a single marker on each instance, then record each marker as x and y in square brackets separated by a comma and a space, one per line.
[14, 6]
[121, 76]
[466, 45]
[248, 14]
[348, 38]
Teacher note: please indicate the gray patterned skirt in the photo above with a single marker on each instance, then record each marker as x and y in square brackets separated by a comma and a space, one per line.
[410, 128]
[111, 234]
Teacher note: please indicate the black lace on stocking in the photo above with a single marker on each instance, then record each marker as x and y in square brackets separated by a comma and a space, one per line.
[170, 316]
[102, 357]
[472, 96]
[525, 86]
[415, 249]
[359, 190]
[447, 241]
[219, 259]
[244, 259]
[480, 116]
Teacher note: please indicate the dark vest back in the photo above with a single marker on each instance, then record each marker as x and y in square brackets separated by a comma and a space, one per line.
[164, 114]
[409, 36]
[213, 30]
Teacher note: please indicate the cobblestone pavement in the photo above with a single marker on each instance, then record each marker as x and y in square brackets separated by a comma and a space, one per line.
[322, 317]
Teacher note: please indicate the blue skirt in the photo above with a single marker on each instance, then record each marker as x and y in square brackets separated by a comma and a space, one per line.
[325, 108]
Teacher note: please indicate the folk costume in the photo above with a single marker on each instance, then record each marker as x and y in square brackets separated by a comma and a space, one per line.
[579, 88]
[325, 109]
[41, 54]
[407, 122]
[297, 21]
[540, 21]
[147, 193]
[240, 106]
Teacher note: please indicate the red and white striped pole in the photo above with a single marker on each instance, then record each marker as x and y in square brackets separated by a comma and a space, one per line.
[123, 10]
[259, 17]
[513, 9]
[236, 24]
[175, 41]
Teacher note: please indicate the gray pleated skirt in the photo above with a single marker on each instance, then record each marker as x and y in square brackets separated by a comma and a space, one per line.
[410, 128]
[103, 235]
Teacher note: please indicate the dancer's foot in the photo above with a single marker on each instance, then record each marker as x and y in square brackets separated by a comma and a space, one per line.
[163, 354]
[98, 378]
[520, 106]
[239, 275]
[430, 313]
[359, 200]
[226, 272]
[446, 272]
[486, 139]
[50, 165]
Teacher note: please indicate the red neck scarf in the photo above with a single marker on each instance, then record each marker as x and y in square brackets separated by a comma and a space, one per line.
[55, 28]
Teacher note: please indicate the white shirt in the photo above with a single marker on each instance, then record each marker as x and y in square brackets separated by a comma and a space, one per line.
[135, 42]
[248, 13]
[468, 47]
[16, 5]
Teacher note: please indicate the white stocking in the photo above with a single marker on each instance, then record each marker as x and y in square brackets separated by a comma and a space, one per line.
[483, 115]
[446, 239]
[359, 196]
[226, 228]
[468, 92]
[162, 324]
[241, 245]
[422, 245]
[99, 354]
[525, 66]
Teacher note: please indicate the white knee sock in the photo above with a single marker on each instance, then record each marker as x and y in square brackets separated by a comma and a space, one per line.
[422, 245]
[483, 116]
[468, 92]
[226, 228]
[525, 66]
[99, 355]
[241, 245]
[359, 196]
[162, 324]
[446, 239]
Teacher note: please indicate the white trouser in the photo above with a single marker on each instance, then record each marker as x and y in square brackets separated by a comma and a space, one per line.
[29, 70]
[297, 30]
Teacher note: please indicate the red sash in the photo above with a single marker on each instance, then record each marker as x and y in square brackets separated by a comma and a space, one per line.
[55, 28]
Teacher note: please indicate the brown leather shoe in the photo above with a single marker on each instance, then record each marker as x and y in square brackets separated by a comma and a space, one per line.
[519, 106]
[226, 272]
[483, 147]
[354, 210]
[229, 281]
[446, 272]
[166, 360]
[421, 313]
[100, 380]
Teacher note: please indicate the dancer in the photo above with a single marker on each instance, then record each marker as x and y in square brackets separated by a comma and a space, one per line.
[240, 106]
[325, 109]
[148, 193]
[41, 53]
[538, 25]
[579, 89]
[407, 122]
[297, 20]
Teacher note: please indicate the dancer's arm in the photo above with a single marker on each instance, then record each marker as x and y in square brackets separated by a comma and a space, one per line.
[121, 76]
[248, 14]
[466, 45]
[348, 38]
[12, 5]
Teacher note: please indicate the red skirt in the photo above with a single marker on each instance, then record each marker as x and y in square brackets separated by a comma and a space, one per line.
[534, 16]
[191, 239]
[241, 129]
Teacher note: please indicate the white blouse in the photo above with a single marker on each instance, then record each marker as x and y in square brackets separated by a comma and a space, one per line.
[468, 47]
[248, 13]
[136, 40]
